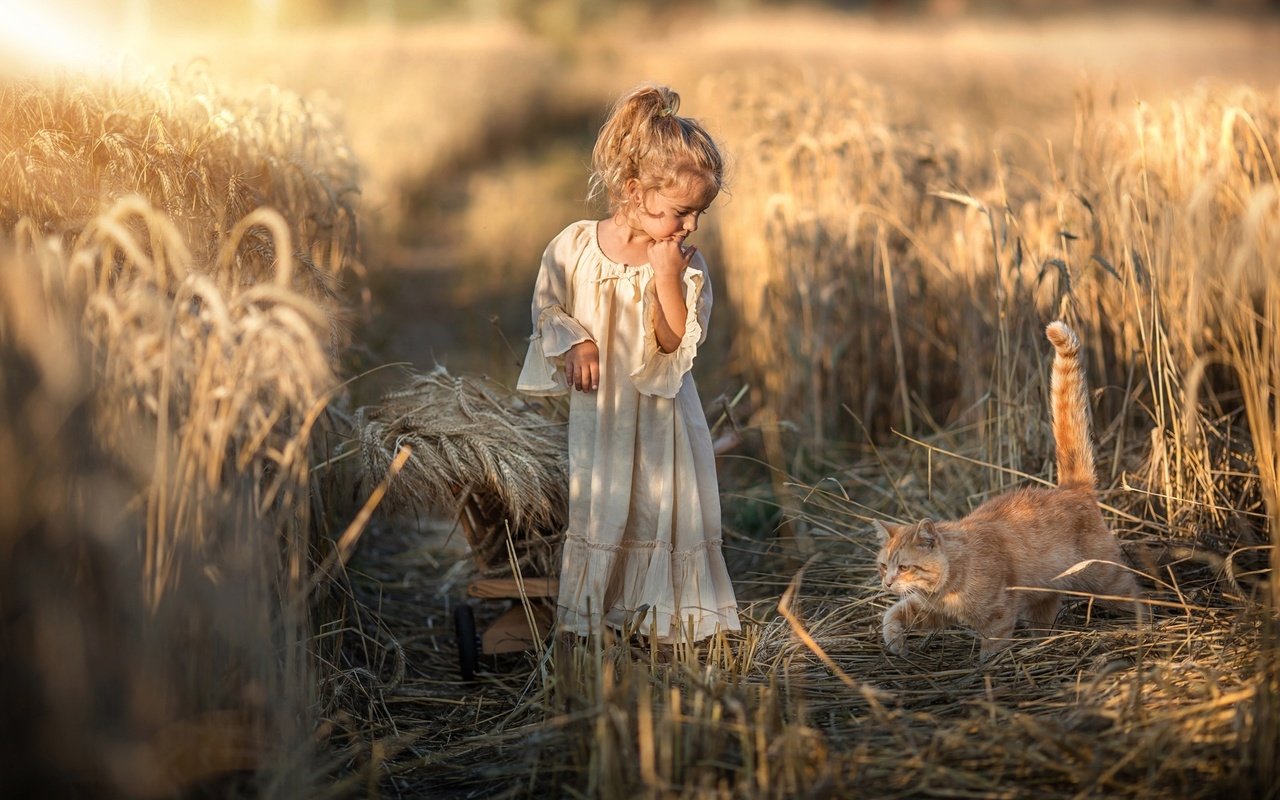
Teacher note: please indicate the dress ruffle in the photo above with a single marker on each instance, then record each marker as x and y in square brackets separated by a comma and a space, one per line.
[661, 374]
[632, 575]
[555, 333]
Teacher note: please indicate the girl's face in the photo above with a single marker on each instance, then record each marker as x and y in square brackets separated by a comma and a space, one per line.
[672, 212]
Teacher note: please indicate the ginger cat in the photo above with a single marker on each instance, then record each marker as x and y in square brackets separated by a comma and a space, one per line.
[959, 571]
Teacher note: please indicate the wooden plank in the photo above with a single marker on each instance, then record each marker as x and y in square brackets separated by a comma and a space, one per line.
[491, 588]
[510, 633]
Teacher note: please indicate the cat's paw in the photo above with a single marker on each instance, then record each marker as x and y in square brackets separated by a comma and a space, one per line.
[895, 637]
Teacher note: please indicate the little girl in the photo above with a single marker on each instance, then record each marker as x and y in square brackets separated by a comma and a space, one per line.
[619, 310]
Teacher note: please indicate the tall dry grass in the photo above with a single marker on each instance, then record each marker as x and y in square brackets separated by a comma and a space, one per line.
[172, 340]
[145, 619]
[900, 281]
[417, 105]
[204, 158]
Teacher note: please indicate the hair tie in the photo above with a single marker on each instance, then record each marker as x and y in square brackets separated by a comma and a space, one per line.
[666, 111]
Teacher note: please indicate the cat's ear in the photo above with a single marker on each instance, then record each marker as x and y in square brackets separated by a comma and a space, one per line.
[926, 534]
[882, 533]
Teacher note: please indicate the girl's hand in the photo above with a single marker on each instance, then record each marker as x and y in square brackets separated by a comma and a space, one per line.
[669, 257]
[582, 367]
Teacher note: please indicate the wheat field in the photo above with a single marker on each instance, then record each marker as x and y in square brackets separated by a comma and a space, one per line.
[236, 524]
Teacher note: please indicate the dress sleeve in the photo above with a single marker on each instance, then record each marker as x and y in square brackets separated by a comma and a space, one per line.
[659, 373]
[554, 329]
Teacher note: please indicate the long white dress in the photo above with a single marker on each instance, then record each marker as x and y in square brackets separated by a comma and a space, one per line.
[644, 504]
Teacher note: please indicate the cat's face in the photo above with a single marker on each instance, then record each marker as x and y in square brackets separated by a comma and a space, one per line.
[911, 559]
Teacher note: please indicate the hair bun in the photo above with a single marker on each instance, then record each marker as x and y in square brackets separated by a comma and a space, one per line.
[645, 138]
[668, 101]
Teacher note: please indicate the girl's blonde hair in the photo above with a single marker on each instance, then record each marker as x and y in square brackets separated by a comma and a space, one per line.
[644, 138]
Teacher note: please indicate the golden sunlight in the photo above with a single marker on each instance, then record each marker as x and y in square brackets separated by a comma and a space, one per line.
[37, 35]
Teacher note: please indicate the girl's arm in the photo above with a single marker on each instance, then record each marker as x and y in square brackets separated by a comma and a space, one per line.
[669, 261]
[668, 357]
[555, 331]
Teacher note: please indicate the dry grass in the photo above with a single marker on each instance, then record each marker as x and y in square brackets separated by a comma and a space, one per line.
[807, 703]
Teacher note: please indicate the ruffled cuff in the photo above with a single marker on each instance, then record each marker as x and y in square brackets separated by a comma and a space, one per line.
[555, 333]
[661, 374]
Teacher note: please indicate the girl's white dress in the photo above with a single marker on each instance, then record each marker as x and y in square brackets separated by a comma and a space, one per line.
[644, 504]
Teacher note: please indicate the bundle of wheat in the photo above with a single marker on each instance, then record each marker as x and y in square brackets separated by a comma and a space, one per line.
[479, 452]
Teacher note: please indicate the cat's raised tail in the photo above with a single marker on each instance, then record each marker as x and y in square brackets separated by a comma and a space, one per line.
[1070, 397]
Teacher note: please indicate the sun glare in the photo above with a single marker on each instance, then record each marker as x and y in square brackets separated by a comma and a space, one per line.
[34, 35]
